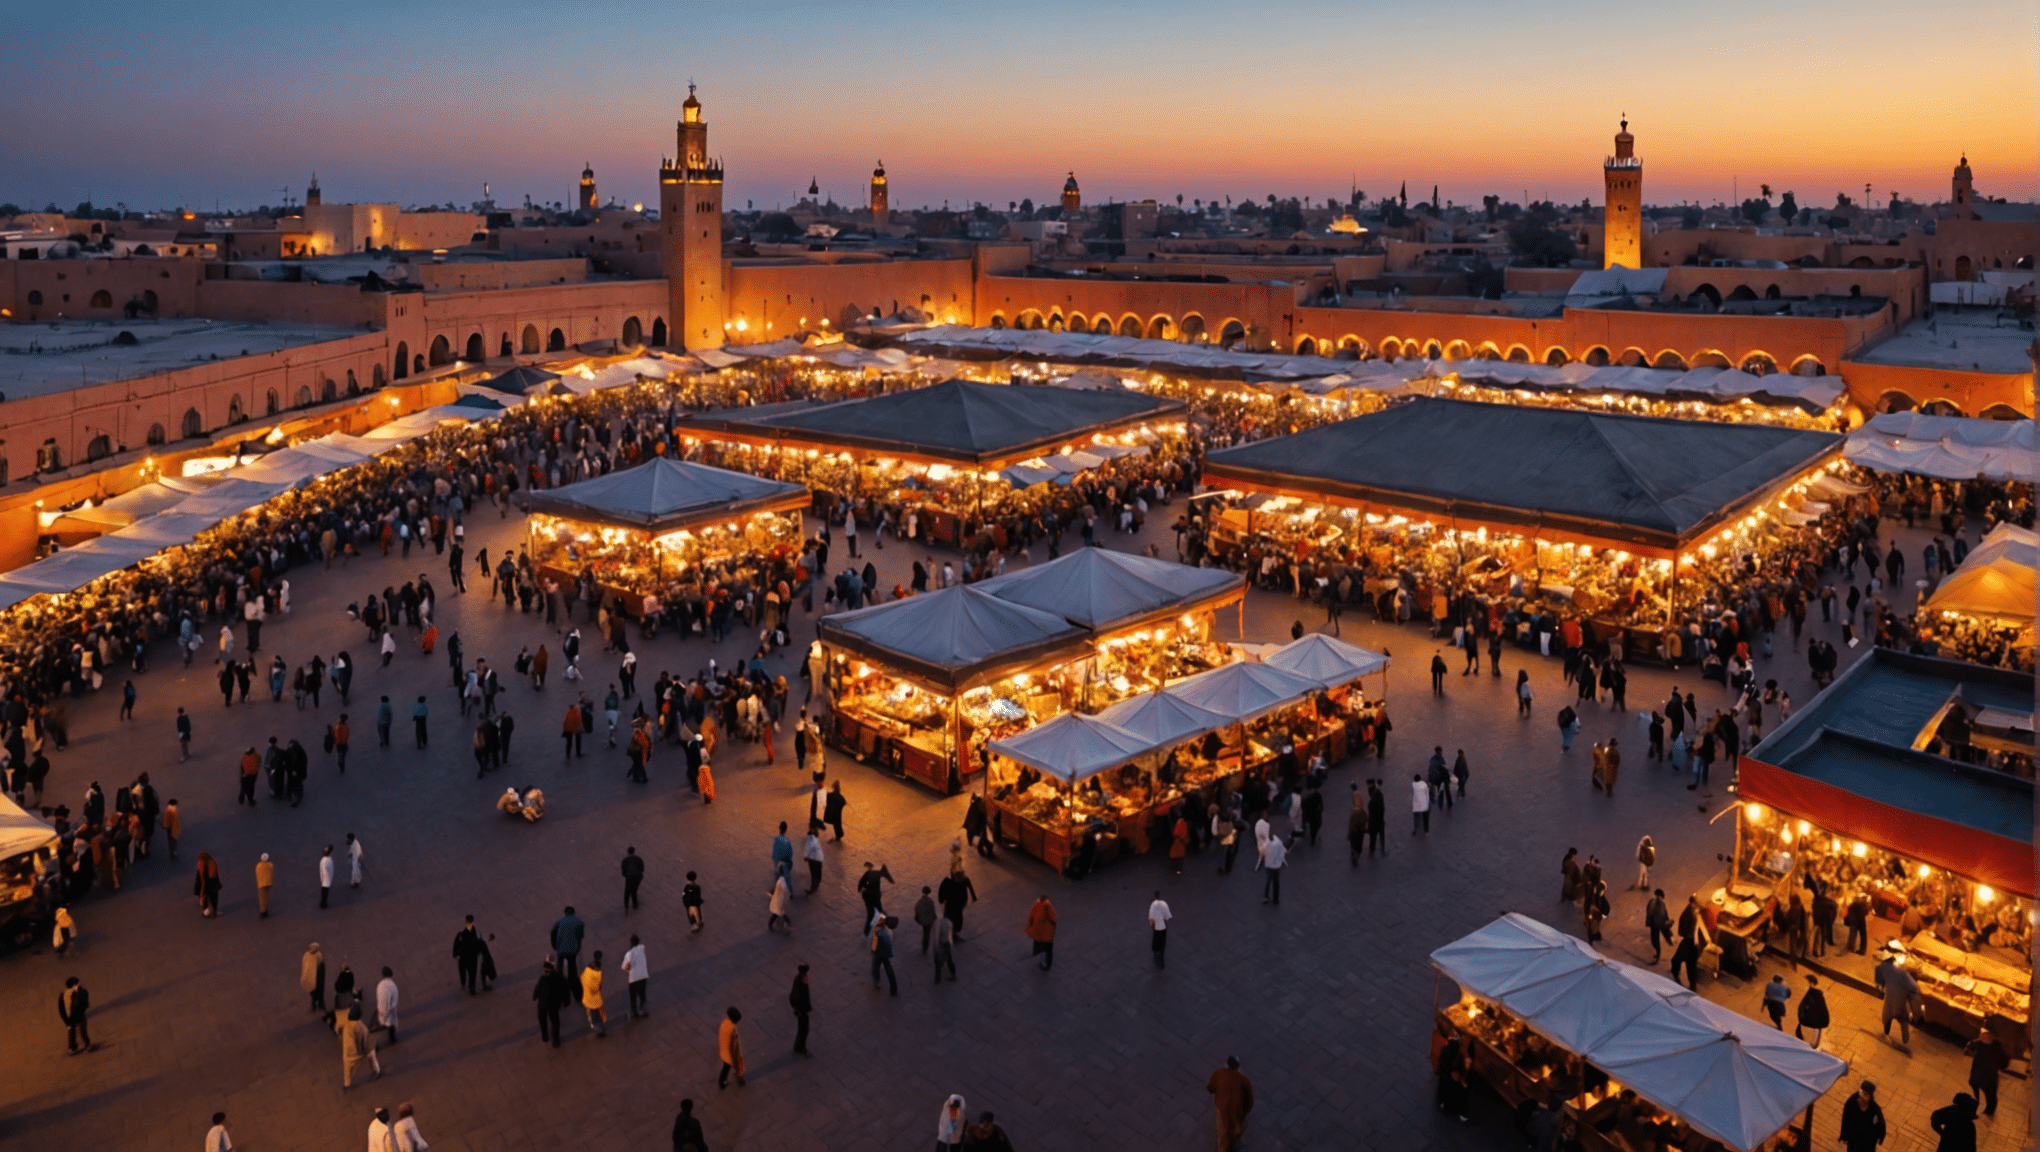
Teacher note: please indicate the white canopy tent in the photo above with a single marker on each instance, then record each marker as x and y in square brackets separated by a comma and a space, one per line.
[22, 831]
[1996, 580]
[1326, 661]
[1161, 719]
[1946, 447]
[1242, 692]
[1073, 746]
[1727, 1075]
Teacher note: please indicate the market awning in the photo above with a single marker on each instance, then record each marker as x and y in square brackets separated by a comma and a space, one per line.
[1242, 691]
[1163, 720]
[1947, 447]
[1326, 661]
[954, 639]
[985, 426]
[21, 831]
[664, 495]
[1629, 479]
[520, 381]
[1073, 746]
[1997, 579]
[1103, 590]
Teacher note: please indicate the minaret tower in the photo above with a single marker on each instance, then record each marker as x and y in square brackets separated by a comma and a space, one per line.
[1622, 222]
[588, 188]
[880, 206]
[1073, 200]
[312, 189]
[690, 212]
[1965, 184]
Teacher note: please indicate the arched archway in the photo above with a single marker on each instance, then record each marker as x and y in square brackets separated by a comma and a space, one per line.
[529, 339]
[1075, 322]
[1596, 357]
[2001, 412]
[476, 352]
[376, 379]
[1352, 348]
[504, 348]
[149, 301]
[1161, 328]
[1458, 350]
[1305, 346]
[98, 448]
[1231, 334]
[1193, 328]
[1055, 322]
[1129, 325]
[1941, 408]
[441, 352]
[353, 385]
[234, 412]
[156, 435]
[998, 321]
[327, 389]
[1487, 351]
[1710, 359]
[556, 341]
[1808, 366]
[1557, 358]
[403, 361]
[1102, 326]
[1759, 364]
[659, 333]
[1964, 269]
[193, 425]
[1518, 354]
[1391, 349]
[1743, 292]
[1633, 358]
[304, 395]
[1707, 292]
[102, 299]
[270, 404]
[1029, 321]
[633, 332]
[1670, 360]
[1895, 401]
[1432, 351]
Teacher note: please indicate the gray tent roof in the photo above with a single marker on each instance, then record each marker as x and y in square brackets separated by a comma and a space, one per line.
[1632, 478]
[521, 379]
[953, 639]
[1101, 589]
[959, 420]
[664, 495]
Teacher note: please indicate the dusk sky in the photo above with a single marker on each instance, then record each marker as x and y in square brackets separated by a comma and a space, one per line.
[160, 105]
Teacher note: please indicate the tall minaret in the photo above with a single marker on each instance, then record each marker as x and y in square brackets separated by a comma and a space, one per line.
[1072, 200]
[588, 188]
[1622, 222]
[312, 189]
[880, 209]
[1965, 183]
[690, 210]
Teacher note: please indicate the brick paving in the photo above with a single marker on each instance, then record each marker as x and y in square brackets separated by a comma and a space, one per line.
[1326, 1000]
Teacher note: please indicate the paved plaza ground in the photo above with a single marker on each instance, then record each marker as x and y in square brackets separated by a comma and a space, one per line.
[1326, 999]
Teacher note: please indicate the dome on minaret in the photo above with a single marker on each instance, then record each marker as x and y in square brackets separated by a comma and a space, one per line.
[878, 173]
[1070, 185]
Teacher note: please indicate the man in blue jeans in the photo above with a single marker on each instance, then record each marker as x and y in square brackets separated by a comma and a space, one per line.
[881, 953]
[567, 932]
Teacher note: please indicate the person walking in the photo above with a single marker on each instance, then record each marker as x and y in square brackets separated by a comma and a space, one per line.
[467, 955]
[1568, 727]
[404, 1133]
[385, 715]
[265, 879]
[882, 953]
[924, 915]
[354, 854]
[183, 736]
[357, 1047]
[690, 899]
[1041, 924]
[1420, 805]
[551, 993]
[1955, 1124]
[1813, 1013]
[1271, 866]
[945, 949]
[1902, 1001]
[1862, 1120]
[591, 996]
[74, 1002]
[419, 713]
[1646, 855]
[802, 1001]
[1986, 1059]
[1438, 670]
[341, 735]
[949, 1125]
[386, 1004]
[1658, 919]
[776, 904]
[1692, 931]
[811, 852]
[567, 933]
[782, 854]
[730, 1046]
[687, 1133]
[173, 824]
[1158, 929]
[206, 885]
[1232, 1096]
[633, 875]
[312, 976]
[217, 1139]
[1776, 993]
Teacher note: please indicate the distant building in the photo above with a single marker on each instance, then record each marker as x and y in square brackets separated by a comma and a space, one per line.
[880, 210]
[1622, 228]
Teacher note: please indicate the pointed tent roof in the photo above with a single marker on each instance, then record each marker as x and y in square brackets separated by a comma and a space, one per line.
[1325, 661]
[520, 380]
[1101, 589]
[1072, 746]
[663, 495]
[1635, 479]
[1995, 580]
[953, 639]
[982, 425]
[1242, 691]
[1162, 719]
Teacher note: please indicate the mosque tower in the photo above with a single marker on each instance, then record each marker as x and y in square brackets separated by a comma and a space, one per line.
[1073, 200]
[1965, 184]
[588, 188]
[312, 190]
[690, 212]
[880, 205]
[1622, 222]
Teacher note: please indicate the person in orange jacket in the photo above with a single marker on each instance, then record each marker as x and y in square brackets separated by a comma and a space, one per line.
[1041, 930]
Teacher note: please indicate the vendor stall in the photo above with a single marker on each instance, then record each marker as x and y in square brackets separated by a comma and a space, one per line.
[1877, 795]
[1633, 1060]
[942, 452]
[1984, 608]
[1628, 521]
[637, 532]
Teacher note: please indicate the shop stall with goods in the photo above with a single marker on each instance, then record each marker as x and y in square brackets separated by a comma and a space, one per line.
[921, 684]
[639, 533]
[1632, 1061]
[1901, 798]
[1636, 524]
[1084, 789]
[1983, 611]
[947, 455]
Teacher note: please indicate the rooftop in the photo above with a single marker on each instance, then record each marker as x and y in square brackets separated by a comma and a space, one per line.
[42, 358]
[1974, 341]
